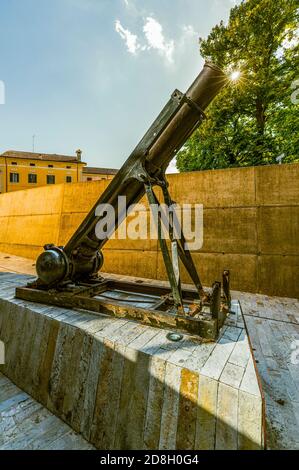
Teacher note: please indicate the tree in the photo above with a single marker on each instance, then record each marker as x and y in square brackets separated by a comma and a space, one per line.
[254, 120]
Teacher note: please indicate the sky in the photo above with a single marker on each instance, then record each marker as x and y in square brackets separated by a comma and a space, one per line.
[94, 74]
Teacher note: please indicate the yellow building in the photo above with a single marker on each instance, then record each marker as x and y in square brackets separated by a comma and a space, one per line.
[23, 170]
[96, 174]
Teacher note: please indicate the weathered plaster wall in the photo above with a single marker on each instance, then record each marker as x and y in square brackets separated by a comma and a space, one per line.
[251, 226]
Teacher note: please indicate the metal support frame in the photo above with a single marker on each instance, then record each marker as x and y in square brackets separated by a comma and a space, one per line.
[183, 251]
[226, 287]
[178, 247]
[105, 297]
[171, 262]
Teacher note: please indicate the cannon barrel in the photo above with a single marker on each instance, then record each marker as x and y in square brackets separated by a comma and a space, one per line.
[81, 257]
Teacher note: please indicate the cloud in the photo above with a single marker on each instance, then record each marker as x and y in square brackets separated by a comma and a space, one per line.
[152, 38]
[153, 32]
[189, 30]
[290, 41]
[130, 39]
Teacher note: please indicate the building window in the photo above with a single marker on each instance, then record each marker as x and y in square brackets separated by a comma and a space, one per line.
[14, 177]
[14, 163]
[68, 179]
[32, 164]
[32, 178]
[69, 167]
[89, 179]
[50, 166]
[50, 179]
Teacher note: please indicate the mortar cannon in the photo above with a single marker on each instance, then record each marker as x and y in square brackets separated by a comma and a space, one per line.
[69, 276]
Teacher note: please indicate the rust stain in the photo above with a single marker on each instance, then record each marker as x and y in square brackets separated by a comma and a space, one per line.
[187, 410]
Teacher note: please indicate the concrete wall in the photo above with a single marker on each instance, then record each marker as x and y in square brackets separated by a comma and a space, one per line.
[251, 226]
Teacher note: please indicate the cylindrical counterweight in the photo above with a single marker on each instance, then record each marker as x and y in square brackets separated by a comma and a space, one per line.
[82, 250]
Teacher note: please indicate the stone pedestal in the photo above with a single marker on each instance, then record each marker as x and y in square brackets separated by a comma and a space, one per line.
[123, 385]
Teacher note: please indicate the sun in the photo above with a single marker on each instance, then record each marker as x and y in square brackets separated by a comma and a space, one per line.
[235, 75]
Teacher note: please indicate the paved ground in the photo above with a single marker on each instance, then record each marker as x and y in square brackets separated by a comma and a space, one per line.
[273, 326]
[16, 264]
[27, 425]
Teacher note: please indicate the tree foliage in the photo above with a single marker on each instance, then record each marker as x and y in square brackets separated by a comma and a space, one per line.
[254, 120]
